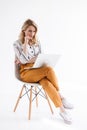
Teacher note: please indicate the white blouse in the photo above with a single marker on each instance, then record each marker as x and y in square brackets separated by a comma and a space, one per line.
[32, 51]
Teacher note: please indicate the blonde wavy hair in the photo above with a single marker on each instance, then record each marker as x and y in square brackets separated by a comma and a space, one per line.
[26, 24]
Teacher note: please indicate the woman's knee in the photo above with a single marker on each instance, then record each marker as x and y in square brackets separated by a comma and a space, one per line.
[49, 69]
[44, 82]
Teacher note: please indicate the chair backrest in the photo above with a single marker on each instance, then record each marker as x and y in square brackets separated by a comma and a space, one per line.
[17, 68]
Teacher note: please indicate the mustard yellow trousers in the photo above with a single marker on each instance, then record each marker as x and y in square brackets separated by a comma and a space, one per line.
[47, 79]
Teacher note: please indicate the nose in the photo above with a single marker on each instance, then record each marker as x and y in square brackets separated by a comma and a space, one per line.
[32, 33]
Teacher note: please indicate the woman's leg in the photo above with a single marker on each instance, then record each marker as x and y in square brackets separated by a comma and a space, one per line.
[55, 97]
[51, 91]
[35, 75]
[46, 77]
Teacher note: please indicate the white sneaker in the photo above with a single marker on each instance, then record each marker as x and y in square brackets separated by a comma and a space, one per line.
[66, 117]
[66, 104]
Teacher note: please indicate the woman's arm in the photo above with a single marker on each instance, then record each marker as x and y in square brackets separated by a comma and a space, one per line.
[21, 56]
[32, 60]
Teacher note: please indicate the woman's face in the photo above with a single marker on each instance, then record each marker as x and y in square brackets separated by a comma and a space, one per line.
[30, 32]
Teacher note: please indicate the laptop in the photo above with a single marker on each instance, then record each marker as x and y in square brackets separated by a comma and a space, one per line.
[46, 59]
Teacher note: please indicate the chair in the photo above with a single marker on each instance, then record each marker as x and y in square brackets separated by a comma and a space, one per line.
[32, 90]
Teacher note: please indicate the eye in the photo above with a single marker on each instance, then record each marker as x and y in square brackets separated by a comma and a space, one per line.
[31, 31]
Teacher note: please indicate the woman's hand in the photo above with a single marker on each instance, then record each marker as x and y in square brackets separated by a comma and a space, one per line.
[32, 60]
[26, 42]
[17, 61]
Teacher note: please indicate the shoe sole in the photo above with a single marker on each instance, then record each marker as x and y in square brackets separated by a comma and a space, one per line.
[67, 122]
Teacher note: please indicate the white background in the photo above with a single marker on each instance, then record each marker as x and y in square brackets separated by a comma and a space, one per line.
[62, 26]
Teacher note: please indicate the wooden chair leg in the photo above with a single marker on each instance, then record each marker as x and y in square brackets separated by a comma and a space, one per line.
[18, 98]
[36, 96]
[48, 102]
[30, 104]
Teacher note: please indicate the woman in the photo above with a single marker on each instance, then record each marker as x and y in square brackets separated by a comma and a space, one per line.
[27, 48]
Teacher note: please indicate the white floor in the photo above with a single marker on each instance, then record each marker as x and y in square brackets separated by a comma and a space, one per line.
[41, 117]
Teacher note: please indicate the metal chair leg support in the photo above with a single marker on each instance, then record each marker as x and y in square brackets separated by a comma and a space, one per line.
[36, 97]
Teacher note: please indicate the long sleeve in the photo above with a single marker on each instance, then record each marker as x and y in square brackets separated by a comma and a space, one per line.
[32, 51]
[19, 52]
